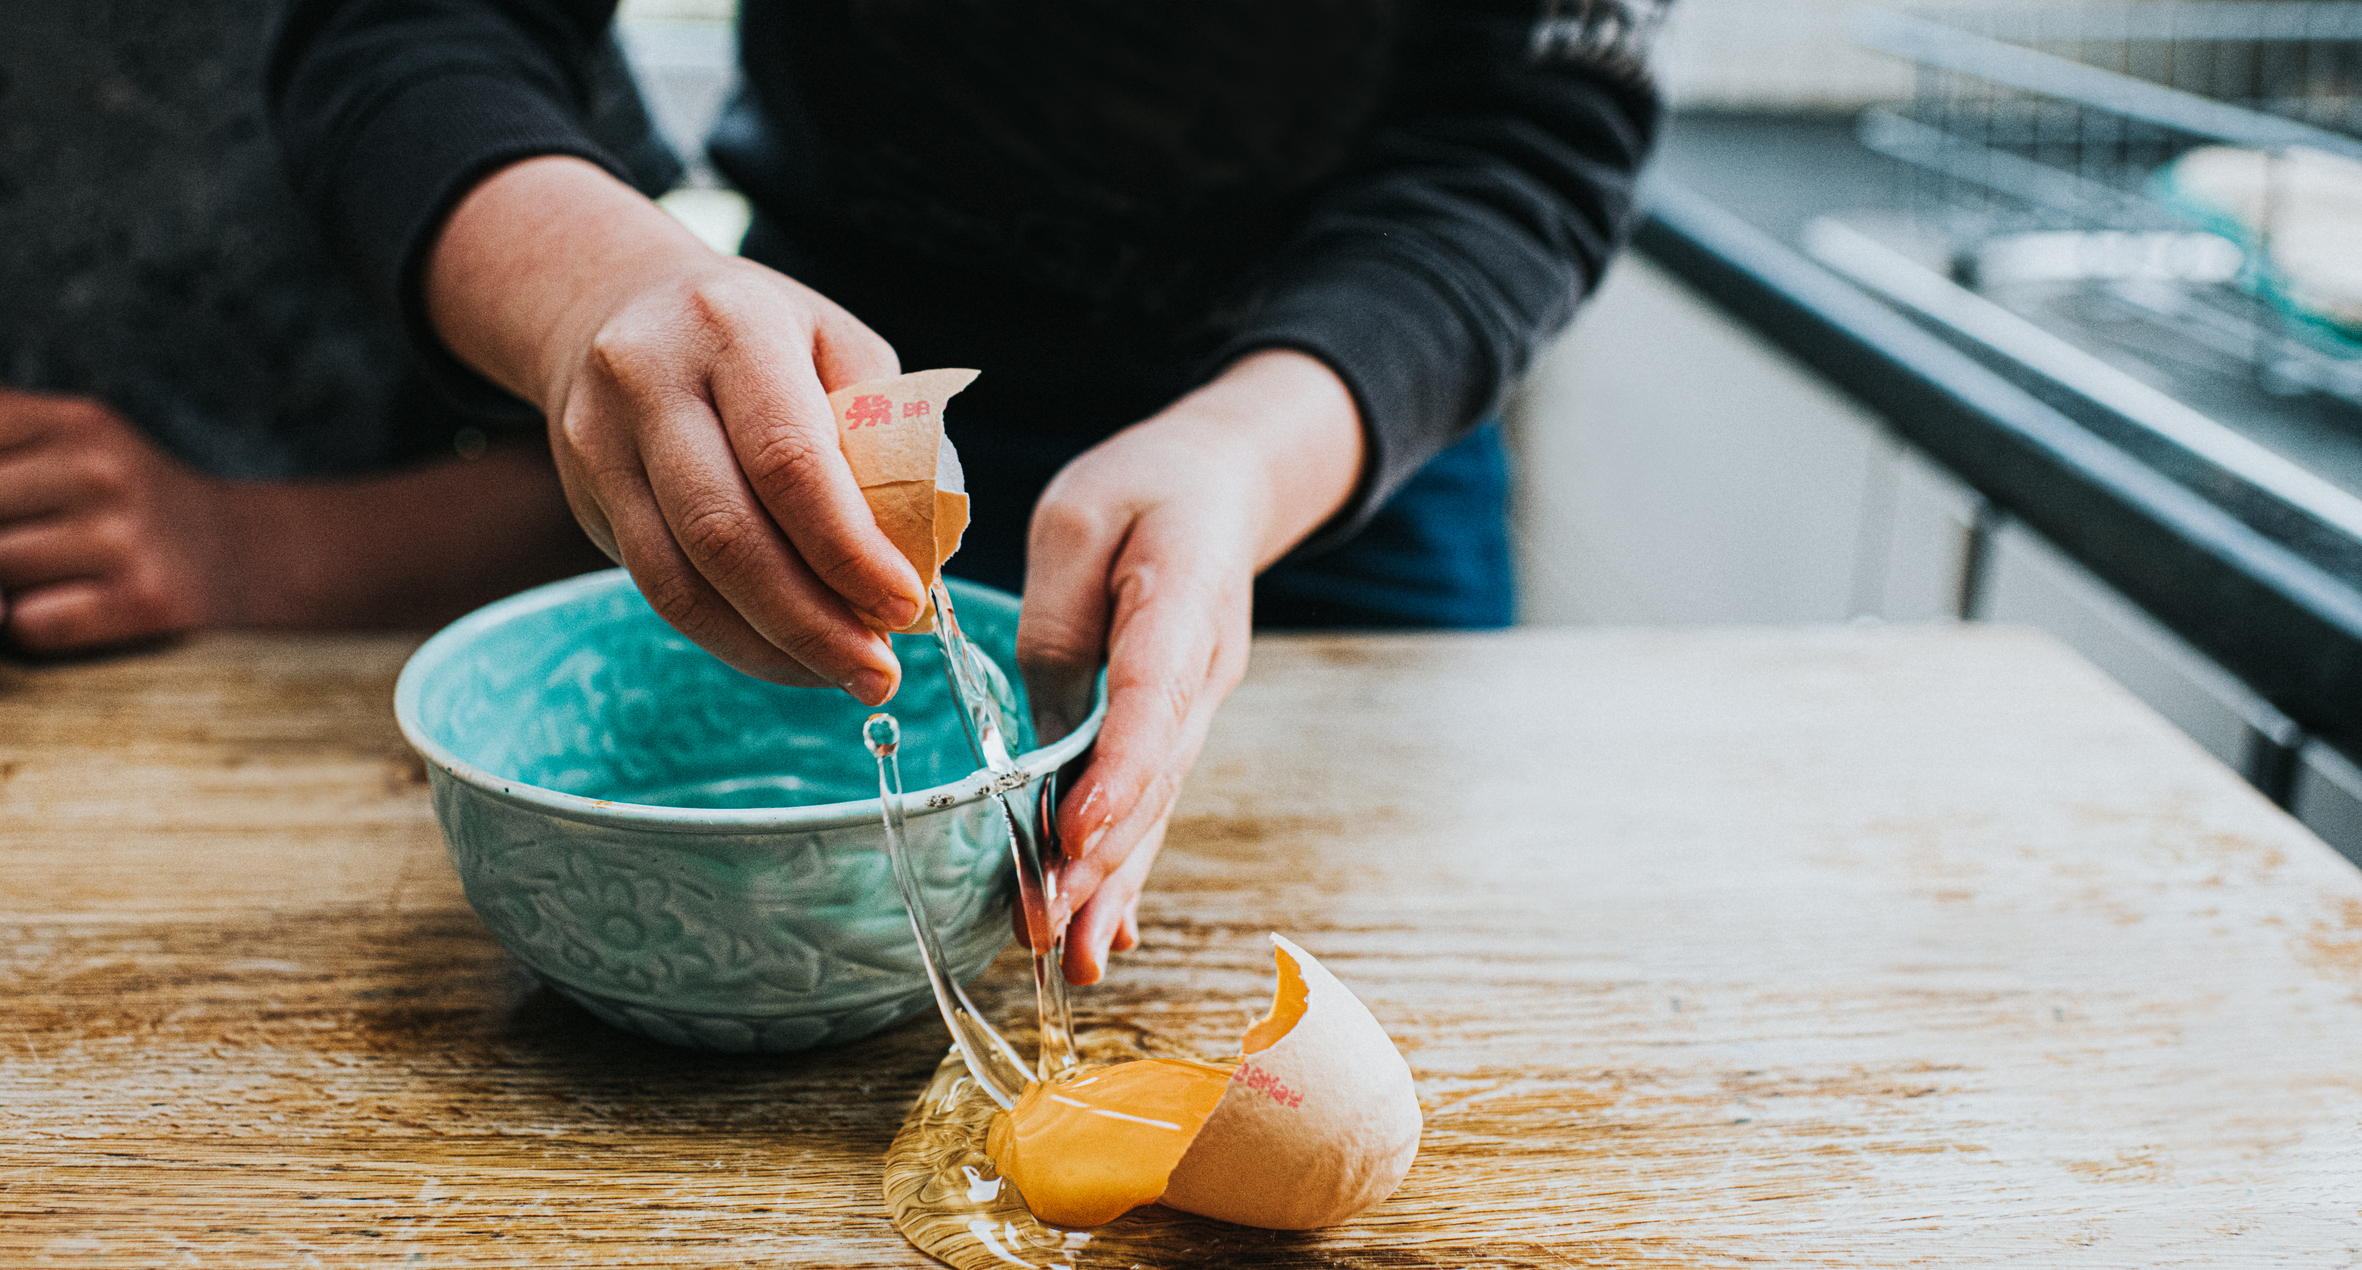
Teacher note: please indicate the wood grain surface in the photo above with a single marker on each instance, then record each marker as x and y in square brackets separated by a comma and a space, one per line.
[1810, 948]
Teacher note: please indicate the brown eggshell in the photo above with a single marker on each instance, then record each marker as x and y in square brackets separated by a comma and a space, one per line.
[951, 524]
[892, 434]
[1314, 1129]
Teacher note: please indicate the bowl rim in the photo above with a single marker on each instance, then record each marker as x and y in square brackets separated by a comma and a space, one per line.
[444, 644]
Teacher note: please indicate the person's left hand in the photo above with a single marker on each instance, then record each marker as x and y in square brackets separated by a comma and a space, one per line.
[103, 538]
[1142, 554]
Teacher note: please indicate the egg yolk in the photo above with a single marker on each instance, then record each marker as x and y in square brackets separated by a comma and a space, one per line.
[1085, 1152]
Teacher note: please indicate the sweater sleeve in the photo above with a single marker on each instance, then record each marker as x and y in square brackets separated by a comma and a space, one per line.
[389, 111]
[1464, 232]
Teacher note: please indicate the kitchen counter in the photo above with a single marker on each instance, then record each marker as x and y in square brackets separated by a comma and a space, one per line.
[2229, 514]
[1813, 947]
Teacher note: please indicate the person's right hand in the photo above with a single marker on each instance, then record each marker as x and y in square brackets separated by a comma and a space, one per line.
[686, 394]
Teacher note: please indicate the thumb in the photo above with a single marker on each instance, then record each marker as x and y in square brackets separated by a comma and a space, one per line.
[1062, 625]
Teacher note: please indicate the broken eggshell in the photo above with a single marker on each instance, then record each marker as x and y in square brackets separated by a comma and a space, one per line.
[1321, 1120]
[892, 433]
[1318, 1122]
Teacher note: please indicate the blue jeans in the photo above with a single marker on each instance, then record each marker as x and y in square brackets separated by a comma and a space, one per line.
[1436, 555]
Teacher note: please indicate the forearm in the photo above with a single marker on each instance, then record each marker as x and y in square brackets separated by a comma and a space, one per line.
[535, 258]
[409, 550]
[1285, 423]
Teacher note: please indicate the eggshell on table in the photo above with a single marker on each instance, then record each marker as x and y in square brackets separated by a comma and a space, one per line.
[1317, 1125]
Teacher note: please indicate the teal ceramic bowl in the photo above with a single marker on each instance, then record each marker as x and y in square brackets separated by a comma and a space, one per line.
[693, 854]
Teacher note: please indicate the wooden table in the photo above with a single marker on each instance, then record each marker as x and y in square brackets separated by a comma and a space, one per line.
[1826, 947]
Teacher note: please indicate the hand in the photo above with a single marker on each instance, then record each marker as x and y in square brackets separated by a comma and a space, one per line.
[686, 394]
[103, 538]
[1143, 553]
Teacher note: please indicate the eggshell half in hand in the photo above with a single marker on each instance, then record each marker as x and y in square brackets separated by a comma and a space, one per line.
[892, 434]
[1320, 1121]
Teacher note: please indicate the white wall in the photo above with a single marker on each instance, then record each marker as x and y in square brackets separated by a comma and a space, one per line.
[1794, 54]
[2035, 584]
[1674, 468]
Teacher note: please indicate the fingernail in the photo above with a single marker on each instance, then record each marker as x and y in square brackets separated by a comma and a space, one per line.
[1083, 812]
[1091, 968]
[871, 687]
[1099, 959]
[899, 611]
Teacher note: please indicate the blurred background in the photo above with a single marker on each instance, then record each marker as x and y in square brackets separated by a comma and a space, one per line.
[2046, 314]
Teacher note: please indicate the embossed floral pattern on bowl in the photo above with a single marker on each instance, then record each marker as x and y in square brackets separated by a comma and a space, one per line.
[691, 853]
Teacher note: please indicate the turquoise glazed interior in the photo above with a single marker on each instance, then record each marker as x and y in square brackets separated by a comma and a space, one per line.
[693, 854]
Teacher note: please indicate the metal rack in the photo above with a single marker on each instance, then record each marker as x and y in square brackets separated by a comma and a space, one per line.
[2036, 133]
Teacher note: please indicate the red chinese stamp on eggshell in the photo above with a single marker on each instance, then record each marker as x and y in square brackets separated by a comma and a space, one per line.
[869, 410]
[1266, 1084]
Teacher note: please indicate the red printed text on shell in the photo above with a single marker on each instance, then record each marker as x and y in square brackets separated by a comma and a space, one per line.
[1266, 1084]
